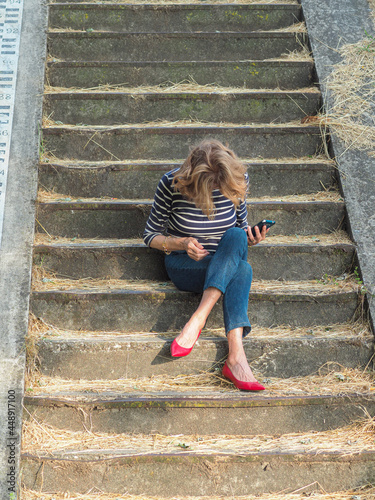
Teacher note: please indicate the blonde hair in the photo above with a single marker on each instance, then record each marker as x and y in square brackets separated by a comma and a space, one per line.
[209, 166]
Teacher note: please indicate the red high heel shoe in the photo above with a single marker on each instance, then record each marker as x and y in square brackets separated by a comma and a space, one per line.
[178, 352]
[244, 386]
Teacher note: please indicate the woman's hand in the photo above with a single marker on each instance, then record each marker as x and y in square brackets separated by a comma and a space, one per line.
[194, 249]
[260, 235]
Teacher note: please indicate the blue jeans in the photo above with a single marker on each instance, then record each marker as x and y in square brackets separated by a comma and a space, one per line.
[226, 269]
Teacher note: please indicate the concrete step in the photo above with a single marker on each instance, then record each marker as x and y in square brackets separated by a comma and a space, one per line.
[131, 259]
[127, 219]
[138, 179]
[172, 18]
[117, 46]
[114, 356]
[152, 306]
[172, 140]
[283, 74]
[365, 492]
[112, 107]
[199, 413]
[199, 473]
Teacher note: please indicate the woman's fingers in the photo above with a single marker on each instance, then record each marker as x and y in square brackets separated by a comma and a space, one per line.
[194, 249]
[259, 235]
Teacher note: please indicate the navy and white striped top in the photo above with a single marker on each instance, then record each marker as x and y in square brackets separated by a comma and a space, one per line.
[181, 218]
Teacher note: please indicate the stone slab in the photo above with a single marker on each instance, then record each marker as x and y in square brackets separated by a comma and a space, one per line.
[115, 358]
[170, 142]
[139, 180]
[332, 24]
[281, 74]
[248, 414]
[114, 46]
[188, 473]
[109, 108]
[172, 18]
[18, 229]
[119, 219]
[269, 261]
[161, 309]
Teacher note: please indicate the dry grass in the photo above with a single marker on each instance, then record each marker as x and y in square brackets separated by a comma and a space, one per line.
[364, 493]
[299, 27]
[328, 195]
[372, 9]
[43, 439]
[303, 54]
[332, 379]
[168, 87]
[352, 87]
[337, 237]
[42, 280]
[173, 2]
[39, 329]
[74, 163]
[97, 129]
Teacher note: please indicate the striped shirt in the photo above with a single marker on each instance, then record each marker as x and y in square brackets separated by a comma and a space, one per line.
[174, 215]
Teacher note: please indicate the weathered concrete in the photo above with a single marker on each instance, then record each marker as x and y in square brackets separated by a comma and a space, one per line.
[172, 18]
[167, 142]
[199, 474]
[139, 180]
[120, 219]
[107, 46]
[162, 310]
[15, 253]
[136, 261]
[111, 108]
[332, 24]
[283, 74]
[142, 356]
[247, 414]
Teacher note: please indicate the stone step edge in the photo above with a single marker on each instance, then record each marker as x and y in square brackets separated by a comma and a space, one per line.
[283, 33]
[128, 244]
[197, 401]
[171, 127]
[280, 61]
[207, 340]
[183, 6]
[161, 93]
[163, 165]
[231, 456]
[100, 204]
[281, 294]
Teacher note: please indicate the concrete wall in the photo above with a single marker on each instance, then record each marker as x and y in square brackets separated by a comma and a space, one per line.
[332, 24]
[18, 231]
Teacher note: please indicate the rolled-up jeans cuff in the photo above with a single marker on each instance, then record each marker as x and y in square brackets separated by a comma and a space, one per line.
[246, 329]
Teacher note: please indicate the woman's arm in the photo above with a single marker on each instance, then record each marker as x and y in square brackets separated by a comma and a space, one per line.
[191, 246]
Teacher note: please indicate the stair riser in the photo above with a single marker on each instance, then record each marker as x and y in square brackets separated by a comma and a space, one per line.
[246, 418]
[202, 475]
[173, 18]
[268, 262]
[171, 46]
[134, 182]
[259, 74]
[101, 109]
[128, 221]
[169, 311]
[131, 359]
[170, 143]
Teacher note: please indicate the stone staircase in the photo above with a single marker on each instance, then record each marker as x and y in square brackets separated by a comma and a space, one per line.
[128, 89]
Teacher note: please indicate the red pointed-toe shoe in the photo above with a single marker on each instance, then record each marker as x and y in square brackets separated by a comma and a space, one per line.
[243, 386]
[178, 352]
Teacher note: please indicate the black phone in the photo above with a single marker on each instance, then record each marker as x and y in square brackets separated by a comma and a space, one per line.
[264, 222]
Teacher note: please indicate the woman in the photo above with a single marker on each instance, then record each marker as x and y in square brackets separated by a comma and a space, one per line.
[202, 206]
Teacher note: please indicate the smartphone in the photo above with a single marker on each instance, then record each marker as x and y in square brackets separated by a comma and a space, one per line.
[264, 222]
